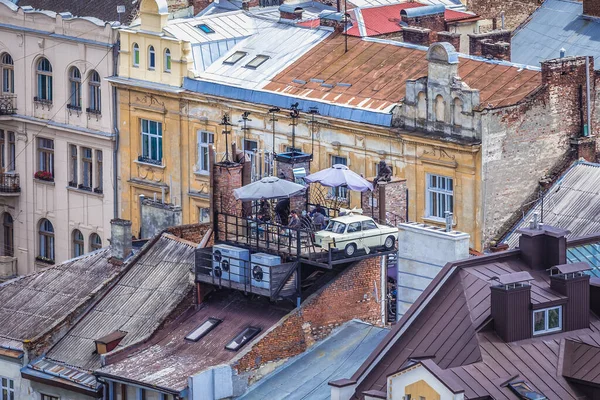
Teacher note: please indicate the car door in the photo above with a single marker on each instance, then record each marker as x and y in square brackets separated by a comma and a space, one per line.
[370, 233]
[353, 234]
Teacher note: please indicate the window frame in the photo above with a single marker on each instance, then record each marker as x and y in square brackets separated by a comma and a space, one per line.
[7, 386]
[157, 137]
[74, 100]
[95, 244]
[44, 80]
[257, 61]
[73, 168]
[135, 50]
[94, 92]
[99, 172]
[167, 60]
[7, 64]
[235, 57]
[447, 195]
[12, 151]
[46, 240]
[45, 156]
[204, 151]
[151, 58]
[78, 242]
[205, 28]
[9, 234]
[87, 168]
[340, 193]
[546, 329]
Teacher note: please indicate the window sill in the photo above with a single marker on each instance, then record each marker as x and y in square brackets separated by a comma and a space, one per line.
[202, 173]
[77, 190]
[150, 164]
[436, 221]
[49, 183]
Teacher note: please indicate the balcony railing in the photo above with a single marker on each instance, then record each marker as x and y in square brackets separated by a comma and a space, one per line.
[10, 184]
[8, 104]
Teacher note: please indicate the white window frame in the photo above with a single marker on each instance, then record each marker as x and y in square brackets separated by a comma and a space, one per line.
[204, 151]
[441, 193]
[7, 387]
[546, 319]
[340, 193]
[152, 137]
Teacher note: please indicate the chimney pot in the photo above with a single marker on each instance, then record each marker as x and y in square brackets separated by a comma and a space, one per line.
[120, 238]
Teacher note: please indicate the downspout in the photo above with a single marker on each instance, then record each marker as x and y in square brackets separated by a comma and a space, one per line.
[587, 131]
[116, 47]
[383, 284]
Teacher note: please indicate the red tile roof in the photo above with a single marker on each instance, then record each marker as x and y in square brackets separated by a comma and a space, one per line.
[377, 74]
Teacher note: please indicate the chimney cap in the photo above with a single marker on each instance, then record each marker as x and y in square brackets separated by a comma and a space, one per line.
[423, 11]
[512, 278]
[119, 221]
[291, 8]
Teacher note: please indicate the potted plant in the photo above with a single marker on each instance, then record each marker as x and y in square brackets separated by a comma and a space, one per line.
[44, 176]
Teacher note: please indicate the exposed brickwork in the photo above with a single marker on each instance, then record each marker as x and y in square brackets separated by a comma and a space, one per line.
[290, 15]
[337, 25]
[351, 295]
[284, 169]
[515, 11]
[226, 178]
[394, 199]
[494, 44]
[585, 147]
[435, 22]
[200, 5]
[452, 38]
[591, 8]
[416, 35]
[193, 233]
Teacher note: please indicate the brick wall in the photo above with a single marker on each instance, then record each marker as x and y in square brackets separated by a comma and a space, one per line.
[200, 5]
[515, 11]
[350, 295]
[284, 169]
[416, 35]
[435, 22]
[394, 198]
[290, 15]
[494, 44]
[591, 8]
[452, 38]
[194, 232]
[225, 179]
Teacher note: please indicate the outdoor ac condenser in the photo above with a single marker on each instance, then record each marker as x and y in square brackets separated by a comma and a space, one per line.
[230, 263]
[260, 269]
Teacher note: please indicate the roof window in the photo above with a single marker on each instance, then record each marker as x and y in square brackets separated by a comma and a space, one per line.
[205, 28]
[244, 337]
[203, 329]
[525, 392]
[235, 57]
[547, 320]
[257, 61]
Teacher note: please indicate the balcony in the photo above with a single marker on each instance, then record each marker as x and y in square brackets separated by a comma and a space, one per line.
[8, 104]
[10, 185]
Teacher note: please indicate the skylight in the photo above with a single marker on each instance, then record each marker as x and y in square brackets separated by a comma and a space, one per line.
[257, 61]
[203, 329]
[235, 57]
[240, 340]
[524, 391]
[205, 28]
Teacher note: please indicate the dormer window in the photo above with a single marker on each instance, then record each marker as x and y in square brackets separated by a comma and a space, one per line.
[205, 28]
[547, 320]
[257, 61]
[235, 57]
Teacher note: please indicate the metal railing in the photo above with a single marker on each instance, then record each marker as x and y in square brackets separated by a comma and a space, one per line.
[10, 183]
[8, 104]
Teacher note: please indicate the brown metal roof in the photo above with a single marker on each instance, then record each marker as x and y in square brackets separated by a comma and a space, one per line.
[582, 359]
[377, 74]
[514, 277]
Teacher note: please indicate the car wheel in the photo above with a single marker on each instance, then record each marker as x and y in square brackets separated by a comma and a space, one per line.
[389, 242]
[350, 249]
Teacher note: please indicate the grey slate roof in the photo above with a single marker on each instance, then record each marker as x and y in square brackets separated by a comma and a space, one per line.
[144, 296]
[33, 304]
[307, 375]
[572, 203]
[554, 25]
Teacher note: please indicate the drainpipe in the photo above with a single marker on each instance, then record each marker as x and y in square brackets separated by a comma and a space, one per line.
[398, 278]
[116, 47]
[587, 131]
[383, 284]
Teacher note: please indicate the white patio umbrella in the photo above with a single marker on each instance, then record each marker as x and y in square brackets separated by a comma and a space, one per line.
[340, 175]
[268, 188]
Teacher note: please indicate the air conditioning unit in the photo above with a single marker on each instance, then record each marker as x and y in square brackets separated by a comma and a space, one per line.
[230, 263]
[260, 269]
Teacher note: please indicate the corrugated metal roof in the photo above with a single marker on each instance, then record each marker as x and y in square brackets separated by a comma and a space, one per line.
[229, 25]
[554, 25]
[452, 4]
[138, 304]
[307, 375]
[572, 203]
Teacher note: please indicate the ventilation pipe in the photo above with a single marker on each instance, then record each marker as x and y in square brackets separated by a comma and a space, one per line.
[563, 52]
[588, 127]
[449, 221]
[502, 20]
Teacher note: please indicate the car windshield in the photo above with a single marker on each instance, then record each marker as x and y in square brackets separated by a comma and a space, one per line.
[335, 227]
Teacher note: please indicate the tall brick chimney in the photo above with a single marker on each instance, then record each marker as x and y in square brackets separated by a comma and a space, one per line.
[120, 239]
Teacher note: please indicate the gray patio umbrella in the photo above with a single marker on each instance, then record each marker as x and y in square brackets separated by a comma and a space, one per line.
[268, 188]
[340, 175]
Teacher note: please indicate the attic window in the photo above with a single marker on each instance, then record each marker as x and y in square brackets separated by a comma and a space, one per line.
[235, 57]
[244, 337]
[547, 320]
[524, 391]
[205, 28]
[257, 61]
[203, 329]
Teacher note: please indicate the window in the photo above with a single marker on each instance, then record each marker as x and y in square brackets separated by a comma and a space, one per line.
[48, 397]
[354, 227]
[547, 320]
[44, 80]
[75, 89]
[457, 111]
[45, 152]
[136, 55]
[205, 139]
[339, 192]
[167, 60]
[335, 227]
[422, 106]
[73, 166]
[95, 242]
[151, 141]
[235, 57]
[440, 196]
[12, 151]
[2, 148]
[244, 337]
[524, 391]
[8, 73]
[205, 28]
[366, 225]
[8, 232]
[8, 389]
[46, 237]
[151, 58]
[439, 108]
[203, 215]
[257, 61]
[203, 329]
[86, 168]
[99, 173]
[94, 88]
[77, 243]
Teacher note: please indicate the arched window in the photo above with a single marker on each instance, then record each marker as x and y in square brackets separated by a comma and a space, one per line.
[167, 60]
[46, 240]
[421, 106]
[77, 243]
[457, 111]
[44, 80]
[151, 58]
[8, 73]
[439, 108]
[136, 55]
[8, 232]
[95, 242]
[94, 86]
[75, 88]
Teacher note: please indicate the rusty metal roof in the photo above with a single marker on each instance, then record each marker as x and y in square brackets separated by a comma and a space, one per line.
[372, 74]
[144, 296]
[168, 360]
[34, 304]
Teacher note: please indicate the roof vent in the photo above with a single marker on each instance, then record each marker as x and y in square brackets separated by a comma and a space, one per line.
[563, 52]
[66, 15]
[27, 9]
[108, 343]
[525, 392]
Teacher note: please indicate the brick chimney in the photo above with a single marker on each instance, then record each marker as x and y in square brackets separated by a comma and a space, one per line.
[494, 44]
[571, 281]
[543, 247]
[331, 19]
[120, 239]
[417, 35]
[429, 17]
[510, 306]
[450, 37]
[591, 8]
[290, 12]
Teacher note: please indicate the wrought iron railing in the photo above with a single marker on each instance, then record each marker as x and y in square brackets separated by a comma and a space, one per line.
[8, 104]
[10, 183]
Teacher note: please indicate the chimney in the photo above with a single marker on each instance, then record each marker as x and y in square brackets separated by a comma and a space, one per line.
[571, 281]
[333, 20]
[543, 247]
[120, 239]
[450, 37]
[429, 17]
[494, 44]
[290, 12]
[591, 8]
[510, 306]
[417, 35]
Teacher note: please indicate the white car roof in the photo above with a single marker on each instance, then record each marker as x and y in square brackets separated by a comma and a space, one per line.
[346, 219]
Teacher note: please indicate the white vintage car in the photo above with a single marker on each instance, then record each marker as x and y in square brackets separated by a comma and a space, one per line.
[353, 232]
